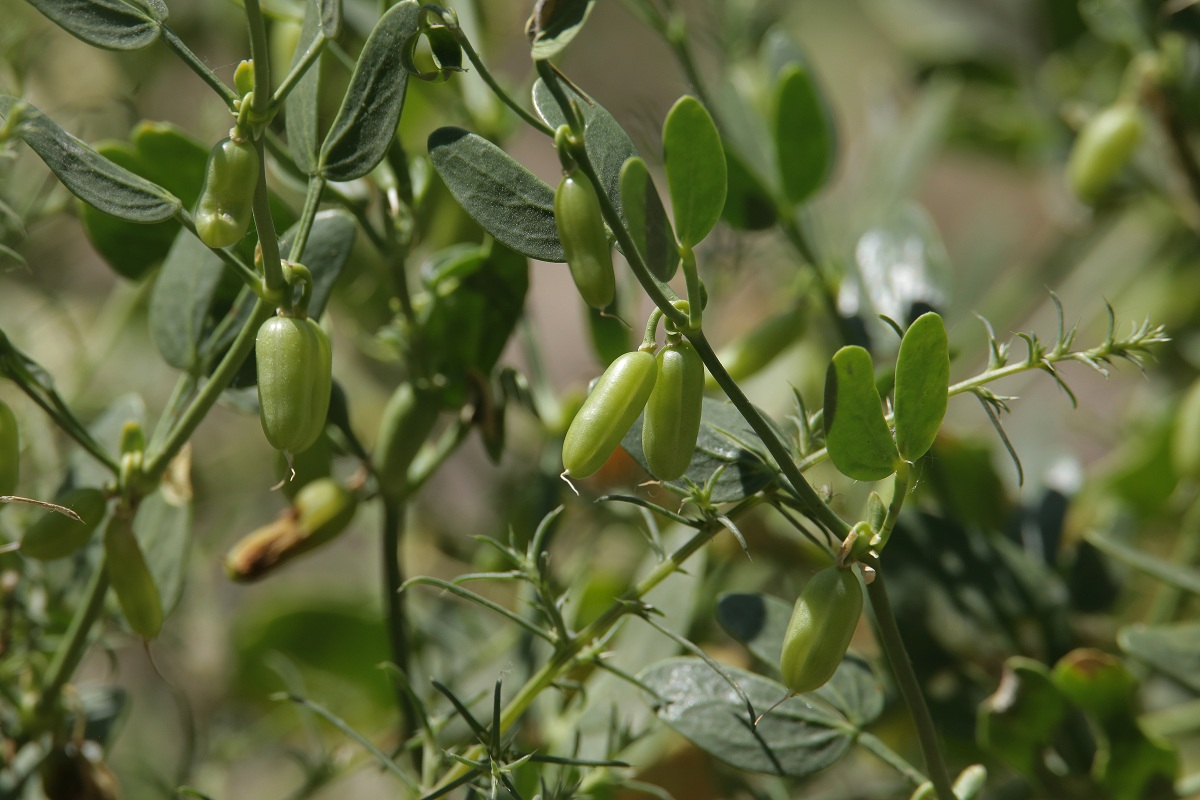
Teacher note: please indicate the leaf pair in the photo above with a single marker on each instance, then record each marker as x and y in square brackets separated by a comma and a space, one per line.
[857, 435]
[517, 208]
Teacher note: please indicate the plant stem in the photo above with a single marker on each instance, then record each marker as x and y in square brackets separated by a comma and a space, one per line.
[565, 655]
[262, 64]
[302, 66]
[910, 688]
[496, 88]
[268, 243]
[312, 201]
[74, 644]
[393, 603]
[247, 275]
[197, 66]
[181, 431]
[899, 490]
[817, 509]
[875, 746]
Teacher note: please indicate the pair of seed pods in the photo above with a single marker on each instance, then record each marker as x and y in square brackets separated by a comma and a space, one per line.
[669, 387]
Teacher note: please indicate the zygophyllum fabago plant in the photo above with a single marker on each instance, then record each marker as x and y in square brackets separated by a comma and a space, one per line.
[924, 641]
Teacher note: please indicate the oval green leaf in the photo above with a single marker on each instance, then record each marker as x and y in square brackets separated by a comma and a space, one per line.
[647, 220]
[507, 200]
[90, 176]
[167, 156]
[796, 739]
[365, 124]
[554, 24]
[695, 164]
[109, 24]
[922, 378]
[856, 433]
[805, 142]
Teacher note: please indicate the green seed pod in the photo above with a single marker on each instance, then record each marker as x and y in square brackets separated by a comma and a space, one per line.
[322, 510]
[608, 412]
[820, 629]
[1103, 148]
[10, 451]
[130, 578]
[226, 203]
[56, 535]
[581, 230]
[672, 421]
[751, 353]
[294, 381]
[408, 418]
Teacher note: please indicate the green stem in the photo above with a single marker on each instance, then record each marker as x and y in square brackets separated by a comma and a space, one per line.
[565, 656]
[156, 463]
[312, 201]
[815, 507]
[393, 600]
[910, 688]
[74, 644]
[691, 276]
[899, 490]
[875, 746]
[297, 72]
[274, 284]
[183, 387]
[49, 401]
[197, 66]
[537, 123]
[247, 275]
[259, 54]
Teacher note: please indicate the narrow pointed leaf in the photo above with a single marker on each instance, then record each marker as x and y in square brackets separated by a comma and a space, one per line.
[922, 379]
[507, 200]
[365, 124]
[695, 164]
[109, 24]
[803, 132]
[856, 433]
[90, 176]
[647, 220]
